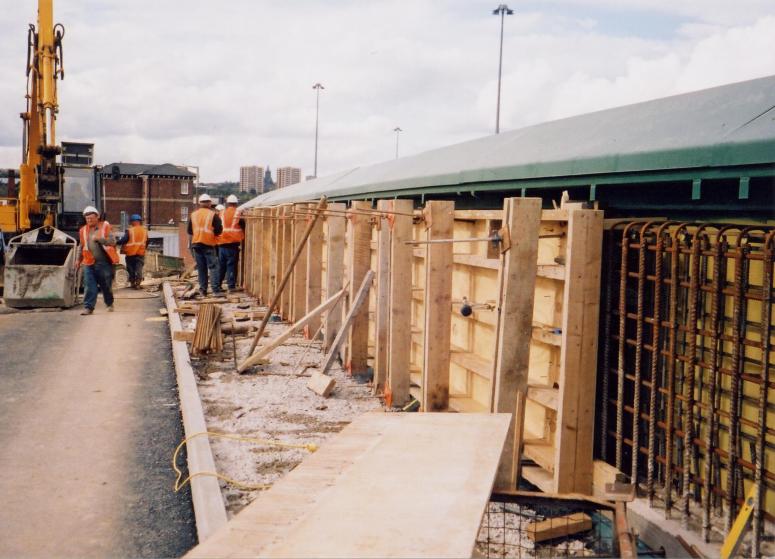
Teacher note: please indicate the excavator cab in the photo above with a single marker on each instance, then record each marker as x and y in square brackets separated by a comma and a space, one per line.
[41, 270]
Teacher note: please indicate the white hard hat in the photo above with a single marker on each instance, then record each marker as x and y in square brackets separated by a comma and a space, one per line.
[90, 210]
[205, 198]
[219, 207]
[232, 199]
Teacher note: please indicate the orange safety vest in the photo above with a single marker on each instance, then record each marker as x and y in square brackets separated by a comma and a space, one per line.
[202, 227]
[138, 238]
[232, 233]
[103, 231]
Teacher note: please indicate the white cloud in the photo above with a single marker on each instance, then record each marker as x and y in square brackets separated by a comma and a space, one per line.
[229, 84]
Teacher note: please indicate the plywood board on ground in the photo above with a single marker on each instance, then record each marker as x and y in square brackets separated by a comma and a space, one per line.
[389, 485]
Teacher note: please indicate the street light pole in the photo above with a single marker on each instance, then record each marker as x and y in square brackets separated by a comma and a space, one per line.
[398, 131]
[318, 86]
[502, 10]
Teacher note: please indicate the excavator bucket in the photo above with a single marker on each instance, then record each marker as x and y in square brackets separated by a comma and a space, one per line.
[40, 270]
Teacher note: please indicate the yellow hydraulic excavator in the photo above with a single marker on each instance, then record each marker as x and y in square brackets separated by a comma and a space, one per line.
[40, 266]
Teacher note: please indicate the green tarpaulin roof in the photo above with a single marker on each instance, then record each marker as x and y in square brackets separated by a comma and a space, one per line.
[731, 125]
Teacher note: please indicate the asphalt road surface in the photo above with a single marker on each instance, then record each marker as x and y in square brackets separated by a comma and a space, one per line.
[89, 418]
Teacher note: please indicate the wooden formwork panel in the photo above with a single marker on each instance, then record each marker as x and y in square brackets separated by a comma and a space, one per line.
[426, 288]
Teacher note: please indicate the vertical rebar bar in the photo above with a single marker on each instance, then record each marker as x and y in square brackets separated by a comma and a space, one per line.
[688, 423]
[622, 345]
[639, 322]
[758, 525]
[655, 358]
[715, 303]
[670, 383]
[737, 320]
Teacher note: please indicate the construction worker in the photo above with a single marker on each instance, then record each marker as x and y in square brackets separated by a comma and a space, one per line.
[204, 226]
[98, 255]
[134, 241]
[229, 243]
[219, 210]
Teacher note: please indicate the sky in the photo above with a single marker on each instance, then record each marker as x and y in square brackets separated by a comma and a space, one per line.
[229, 83]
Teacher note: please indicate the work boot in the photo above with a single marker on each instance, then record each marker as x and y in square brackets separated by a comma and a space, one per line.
[86, 311]
[110, 308]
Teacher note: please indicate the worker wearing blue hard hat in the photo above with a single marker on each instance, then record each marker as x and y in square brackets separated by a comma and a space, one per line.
[133, 244]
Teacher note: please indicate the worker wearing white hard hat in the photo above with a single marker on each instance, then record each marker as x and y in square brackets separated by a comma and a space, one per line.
[219, 208]
[205, 226]
[229, 243]
[98, 255]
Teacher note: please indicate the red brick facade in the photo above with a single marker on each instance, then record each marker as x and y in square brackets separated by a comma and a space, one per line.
[158, 200]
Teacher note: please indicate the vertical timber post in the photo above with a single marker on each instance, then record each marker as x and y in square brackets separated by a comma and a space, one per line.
[382, 315]
[516, 283]
[335, 230]
[400, 319]
[299, 282]
[439, 217]
[360, 261]
[314, 274]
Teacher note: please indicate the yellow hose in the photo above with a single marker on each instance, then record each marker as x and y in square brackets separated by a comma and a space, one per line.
[311, 447]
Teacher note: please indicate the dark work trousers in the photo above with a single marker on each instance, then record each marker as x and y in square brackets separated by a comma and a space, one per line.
[98, 275]
[229, 260]
[134, 267]
[207, 265]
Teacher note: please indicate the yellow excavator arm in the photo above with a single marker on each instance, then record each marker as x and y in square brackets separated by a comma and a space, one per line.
[40, 175]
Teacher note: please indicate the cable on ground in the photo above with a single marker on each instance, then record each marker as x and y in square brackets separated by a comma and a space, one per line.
[311, 447]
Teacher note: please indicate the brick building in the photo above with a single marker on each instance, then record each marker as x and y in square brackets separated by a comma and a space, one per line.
[162, 194]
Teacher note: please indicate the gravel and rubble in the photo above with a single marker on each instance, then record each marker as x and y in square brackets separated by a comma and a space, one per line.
[270, 402]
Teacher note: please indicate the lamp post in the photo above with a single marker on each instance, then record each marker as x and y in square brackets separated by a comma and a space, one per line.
[398, 131]
[502, 10]
[318, 86]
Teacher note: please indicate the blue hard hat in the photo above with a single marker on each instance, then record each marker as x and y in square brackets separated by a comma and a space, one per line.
[135, 217]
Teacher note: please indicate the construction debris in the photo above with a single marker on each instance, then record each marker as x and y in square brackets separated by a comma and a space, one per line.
[321, 384]
[207, 335]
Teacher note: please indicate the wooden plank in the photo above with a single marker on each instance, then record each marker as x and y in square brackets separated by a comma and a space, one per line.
[544, 395]
[464, 404]
[335, 230]
[538, 477]
[295, 327]
[558, 527]
[330, 505]
[551, 271]
[578, 361]
[546, 335]
[439, 217]
[472, 362]
[183, 336]
[359, 246]
[356, 306]
[299, 282]
[382, 318]
[321, 384]
[516, 282]
[477, 261]
[400, 334]
[266, 257]
[315, 273]
[541, 453]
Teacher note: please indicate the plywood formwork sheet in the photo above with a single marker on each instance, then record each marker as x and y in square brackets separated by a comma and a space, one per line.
[389, 485]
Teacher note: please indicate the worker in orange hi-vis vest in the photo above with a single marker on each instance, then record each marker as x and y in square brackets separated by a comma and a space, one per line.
[98, 255]
[205, 226]
[133, 244]
[229, 243]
